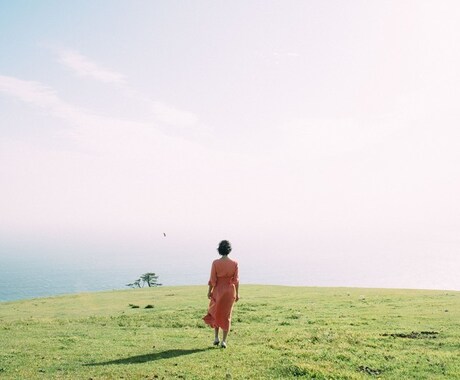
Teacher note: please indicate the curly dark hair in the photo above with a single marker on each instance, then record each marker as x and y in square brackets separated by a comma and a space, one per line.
[224, 248]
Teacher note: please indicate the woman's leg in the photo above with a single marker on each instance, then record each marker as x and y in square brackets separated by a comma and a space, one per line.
[216, 335]
[224, 336]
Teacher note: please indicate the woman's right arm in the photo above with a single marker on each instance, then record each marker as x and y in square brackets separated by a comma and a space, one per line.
[236, 281]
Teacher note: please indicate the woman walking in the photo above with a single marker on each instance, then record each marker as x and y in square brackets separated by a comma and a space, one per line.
[222, 293]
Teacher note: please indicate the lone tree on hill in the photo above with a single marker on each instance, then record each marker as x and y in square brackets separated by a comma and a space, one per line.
[150, 278]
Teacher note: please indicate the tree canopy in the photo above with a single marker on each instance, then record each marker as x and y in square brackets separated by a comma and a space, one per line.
[149, 278]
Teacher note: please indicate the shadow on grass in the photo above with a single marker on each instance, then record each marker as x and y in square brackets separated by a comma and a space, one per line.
[168, 354]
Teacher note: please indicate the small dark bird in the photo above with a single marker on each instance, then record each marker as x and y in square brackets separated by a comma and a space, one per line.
[164, 234]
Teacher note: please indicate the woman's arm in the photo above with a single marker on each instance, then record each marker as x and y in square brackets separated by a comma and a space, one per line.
[212, 280]
[236, 281]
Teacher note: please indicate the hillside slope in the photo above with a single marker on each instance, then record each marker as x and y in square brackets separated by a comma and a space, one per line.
[278, 332]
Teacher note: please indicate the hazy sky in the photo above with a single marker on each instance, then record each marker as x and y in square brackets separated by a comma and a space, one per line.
[321, 137]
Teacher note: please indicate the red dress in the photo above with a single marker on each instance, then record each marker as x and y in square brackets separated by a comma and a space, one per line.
[224, 277]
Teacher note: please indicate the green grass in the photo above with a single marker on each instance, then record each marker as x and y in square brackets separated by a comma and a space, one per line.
[278, 333]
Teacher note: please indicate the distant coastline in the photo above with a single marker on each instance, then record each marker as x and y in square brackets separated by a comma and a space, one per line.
[35, 278]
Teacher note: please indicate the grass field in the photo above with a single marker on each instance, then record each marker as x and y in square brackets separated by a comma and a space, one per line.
[278, 333]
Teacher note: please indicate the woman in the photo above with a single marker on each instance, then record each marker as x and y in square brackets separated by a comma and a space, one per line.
[222, 293]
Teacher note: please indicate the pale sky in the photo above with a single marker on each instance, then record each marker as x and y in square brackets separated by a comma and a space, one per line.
[320, 137]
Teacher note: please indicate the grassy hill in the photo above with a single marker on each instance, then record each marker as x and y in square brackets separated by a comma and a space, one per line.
[278, 332]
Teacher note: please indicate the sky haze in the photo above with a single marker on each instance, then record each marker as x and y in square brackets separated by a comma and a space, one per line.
[321, 138]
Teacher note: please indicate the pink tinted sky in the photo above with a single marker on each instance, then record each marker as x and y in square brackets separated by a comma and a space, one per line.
[320, 137]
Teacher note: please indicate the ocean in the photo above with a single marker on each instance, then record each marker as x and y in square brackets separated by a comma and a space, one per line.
[25, 278]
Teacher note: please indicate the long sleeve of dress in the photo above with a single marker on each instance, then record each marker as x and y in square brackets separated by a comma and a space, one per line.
[213, 277]
[236, 278]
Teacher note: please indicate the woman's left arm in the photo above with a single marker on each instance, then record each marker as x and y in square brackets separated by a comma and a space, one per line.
[212, 280]
[210, 288]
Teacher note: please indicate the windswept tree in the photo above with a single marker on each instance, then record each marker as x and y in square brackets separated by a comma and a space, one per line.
[150, 278]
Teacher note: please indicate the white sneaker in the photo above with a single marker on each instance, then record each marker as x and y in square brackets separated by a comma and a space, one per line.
[223, 344]
[216, 342]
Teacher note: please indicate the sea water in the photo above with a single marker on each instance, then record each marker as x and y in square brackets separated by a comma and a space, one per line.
[23, 277]
[31, 277]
